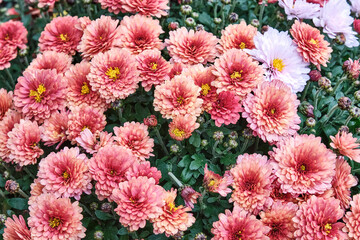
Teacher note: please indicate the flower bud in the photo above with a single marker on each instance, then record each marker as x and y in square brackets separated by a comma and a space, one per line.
[233, 135]
[151, 121]
[344, 129]
[264, 29]
[340, 39]
[233, 17]
[357, 95]
[106, 207]
[179, 235]
[174, 148]
[329, 90]
[226, 2]
[247, 133]
[218, 136]
[98, 235]
[217, 21]
[200, 236]
[233, 143]
[255, 23]
[310, 122]
[12, 186]
[354, 112]
[173, 26]
[195, 15]
[280, 16]
[307, 109]
[6, 174]
[186, 9]
[190, 22]
[352, 68]
[344, 103]
[315, 75]
[204, 143]
[324, 83]
[199, 27]
[24, 52]
[94, 206]
[356, 25]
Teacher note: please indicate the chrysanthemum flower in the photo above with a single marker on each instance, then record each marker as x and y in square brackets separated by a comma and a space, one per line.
[14, 34]
[239, 224]
[352, 68]
[7, 54]
[189, 195]
[351, 219]
[320, 2]
[60, 35]
[217, 184]
[36, 190]
[173, 218]
[113, 6]
[93, 142]
[272, 111]
[143, 169]
[16, 229]
[99, 36]
[318, 219]
[311, 44]
[114, 74]
[46, 3]
[39, 93]
[179, 96]
[280, 59]
[23, 143]
[108, 168]
[135, 136]
[237, 72]
[300, 9]
[346, 144]
[226, 108]
[190, 47]
[6, 102]
[240, 36]
[176, 69]
[157, 8]
[56, 219]
[54, 129]
[59, 61]
[303, 165]
[138, 200]
[83, 23]
[6, 125]
[182, 127]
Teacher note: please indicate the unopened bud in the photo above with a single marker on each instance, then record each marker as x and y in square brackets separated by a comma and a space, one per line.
[190, 22]
[12, 186]
[218, 136]
[186, 9]
[98, 235]
[310, 122]
[315, 75]
[324, 83]
[233, 17]
[174, 148]
[344, 103]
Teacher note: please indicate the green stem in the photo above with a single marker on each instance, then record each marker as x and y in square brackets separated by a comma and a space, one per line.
[305, 91]
[329, 114]
[233, 5]
[2, 194]
[89, 11]
[244, 146]
[120, 113]
[10, 76]
[349, 89]
[175, 179]
[26, 61]
[161, 141]
[28, 172]
[89, 212]
[341, 80]
[348, 120]
[304, 129]
[24, 195]
[214, 148]
[257, 142]
[317, 98]
[43, 16]
[262, 10]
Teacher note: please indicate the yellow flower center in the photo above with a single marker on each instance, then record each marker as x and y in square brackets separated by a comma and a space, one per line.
[66, 175]
[100, 37]
[236, 74]
[205, 89]
[153, 66]
[177, 132]
[132, 200]
[113, 73]
[7, 37]
[313, 41]
[302, 167]
[278, 64]
[84, 127]
[112, 172]
[38, 93]
[64, 37]
[85, 89]
[180, 100]
[172, 207]
[272, 111]
[54, 222]
[212, 183]
[242, 45]
[327, 228]
[238, 235]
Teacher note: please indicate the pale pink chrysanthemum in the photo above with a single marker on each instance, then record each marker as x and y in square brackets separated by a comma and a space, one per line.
[99, 36]
[153, 68]
[190, 47]
[176, 69]
[317, 218]
[226, 108]
[303, 165]
[83, 22]
[59, 61]
[39, 93]
[239, 224]
[36, 190]
[279, 219]
[23, 143]
[79, 91]
[65, 173]
[114, 74]
[138, 200]
[173, 218]
[108, 168]
[135, 136]
[6, 102]
[85, 117]
[190, 196]
[93, 142]
[217, 184]
[157, 8]
[140, 33]
[252, 183]
[179, 96]
[346, 144]
[272, 111]
[7, 54]
[236, 71]
[240, 36]
[352, 219]
[143, 169]
[182, 127]
[14, 34]
[56, 219]
[16, 229]
[54, 129]
[6, 125]
[60, 35]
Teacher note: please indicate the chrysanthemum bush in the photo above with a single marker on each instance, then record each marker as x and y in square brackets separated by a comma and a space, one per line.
[158, 119]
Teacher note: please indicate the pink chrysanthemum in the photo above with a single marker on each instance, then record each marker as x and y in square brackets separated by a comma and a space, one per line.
[279, 219]
[114, 74]
[93, 142]
[217, 184]
[56, 219]
[179, 96]
[54, 129]
[59, 61]
[16, 229]
[143, 169]
[303, 165]
[182, 127]
[65, 173]
[114, 6]
[252, 183]
[190, 47]
[278, 195]
[240, 36]
[108, 168]
[317, 219]
[236, 71]
[14, 34]
[176, 69]
[190, 196]
[6, 125]
[153, 68]
[352, 219]
[173, 218]
[157, 8]
[60, 35]
[46, 3]
[352, 68]
[311, 44]
[226, 108]
[138, 199]
[239, 224]
[23, 143]
[346, 144]
[39, 93]
[36, 191]
[99, 36]
[85, 117]
[6, 102]
[79, 91]
[272, 111]
[7, 54]
[83, 23]
[135, 136]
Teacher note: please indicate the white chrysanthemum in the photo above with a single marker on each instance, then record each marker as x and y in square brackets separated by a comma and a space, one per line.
[280, 59]
[355, 7]
[335, 19]
[300, 9]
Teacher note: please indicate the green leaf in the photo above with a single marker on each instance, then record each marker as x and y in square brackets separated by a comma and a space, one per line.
[195, 140]
[186, 174]
[212, 199]
[199, 161]
[228, 159]
[18, 203]
[205, 19]
[110, 233]
[103, 215]
[185, 161]
[329, 130]
[122, 231]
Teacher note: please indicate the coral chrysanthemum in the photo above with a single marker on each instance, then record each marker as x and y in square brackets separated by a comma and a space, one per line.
[179, 96]
[143, 169]
[23, 143]
[182, 127]
[352, 219]
[215, 183]
[114, 74]
[60, 35]
[7, 54]
[56, 219]
[6, 102]
[226, 108]
[108, 168]
[135, 136]
[190, 47]
[317, 219]
[346, 144]
[311, 44]
[54, 129]
[303, 165]
[157, 8]
[93, 142]
[272, 111]
[173, 218]
[16, 229]
[59, 61]
[138, 199]
[6, 125]
[14, 34]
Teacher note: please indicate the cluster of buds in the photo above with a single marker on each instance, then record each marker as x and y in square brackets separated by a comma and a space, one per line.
[307, 109]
